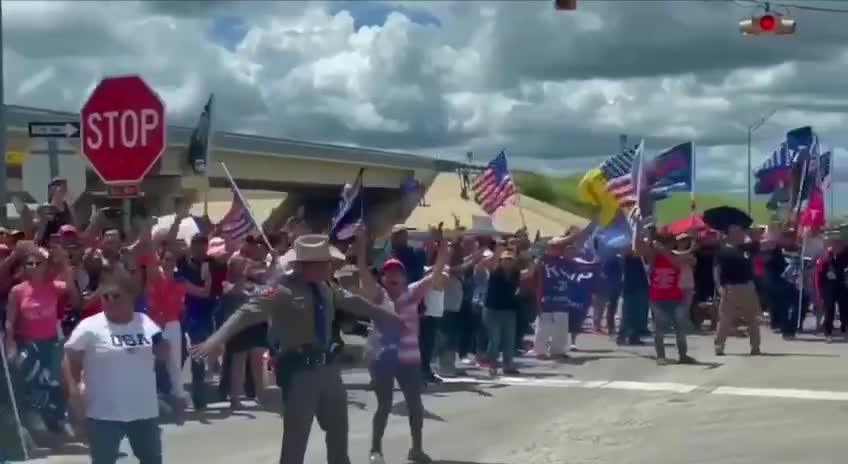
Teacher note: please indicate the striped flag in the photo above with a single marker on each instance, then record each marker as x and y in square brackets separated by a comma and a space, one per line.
[618, 171]
[494, 187]
[351, 211]
[237, 223]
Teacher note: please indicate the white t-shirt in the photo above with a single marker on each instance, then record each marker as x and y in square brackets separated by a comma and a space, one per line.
[118, 367]
[434, 303]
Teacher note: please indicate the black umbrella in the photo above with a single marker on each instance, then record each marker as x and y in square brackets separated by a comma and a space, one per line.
[722, 217]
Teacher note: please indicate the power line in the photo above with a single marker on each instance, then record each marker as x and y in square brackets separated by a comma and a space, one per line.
[819, 9]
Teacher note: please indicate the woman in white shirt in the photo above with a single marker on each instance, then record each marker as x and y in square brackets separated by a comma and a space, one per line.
[109, 368]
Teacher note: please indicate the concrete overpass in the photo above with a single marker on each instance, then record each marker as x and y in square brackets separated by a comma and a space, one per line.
[311, 174]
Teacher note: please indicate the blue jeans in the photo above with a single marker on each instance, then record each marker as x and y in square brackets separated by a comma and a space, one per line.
[668, 313]
[500, 326]
[105, 438]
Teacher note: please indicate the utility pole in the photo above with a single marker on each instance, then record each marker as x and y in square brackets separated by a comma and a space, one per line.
[622, 140]
[4, 185]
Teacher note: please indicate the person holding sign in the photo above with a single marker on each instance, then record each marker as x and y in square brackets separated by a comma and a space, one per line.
[666, 296]
[568, 281]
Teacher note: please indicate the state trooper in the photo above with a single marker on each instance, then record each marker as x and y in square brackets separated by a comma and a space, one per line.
[300, 310]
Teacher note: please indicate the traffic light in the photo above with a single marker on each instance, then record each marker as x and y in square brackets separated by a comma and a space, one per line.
[568, 5]
[767, 23]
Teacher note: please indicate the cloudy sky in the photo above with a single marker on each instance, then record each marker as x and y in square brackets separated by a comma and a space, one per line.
[443, 78]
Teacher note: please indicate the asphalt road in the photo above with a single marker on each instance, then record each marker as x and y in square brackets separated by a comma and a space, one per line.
[605, 405]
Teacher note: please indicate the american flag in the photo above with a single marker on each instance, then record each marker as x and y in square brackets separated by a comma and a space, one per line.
[494, 187]
[237, 223]
[618, 171]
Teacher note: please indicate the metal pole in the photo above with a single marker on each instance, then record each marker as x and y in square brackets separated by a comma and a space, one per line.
[622, 140]
[4, 197]
[748, 172]
[127, 219]
[830, 187]
[53, 157]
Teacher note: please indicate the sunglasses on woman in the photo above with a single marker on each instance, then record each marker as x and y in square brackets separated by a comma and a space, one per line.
[112, 296]
[34, 264]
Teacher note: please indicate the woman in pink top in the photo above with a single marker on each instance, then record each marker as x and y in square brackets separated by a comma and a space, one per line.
[396, 351]
[32, 324]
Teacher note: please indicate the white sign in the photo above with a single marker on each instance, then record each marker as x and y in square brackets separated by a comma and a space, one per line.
[36, 174]
[133, 129]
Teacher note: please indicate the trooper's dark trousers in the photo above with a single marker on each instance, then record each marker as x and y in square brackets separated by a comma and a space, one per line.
[314, 392]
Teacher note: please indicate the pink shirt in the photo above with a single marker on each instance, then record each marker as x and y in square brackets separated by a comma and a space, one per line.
[38, 308]
[407, 308]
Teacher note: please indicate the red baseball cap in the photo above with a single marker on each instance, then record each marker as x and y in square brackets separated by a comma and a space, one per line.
[68, 229]
[392, 263]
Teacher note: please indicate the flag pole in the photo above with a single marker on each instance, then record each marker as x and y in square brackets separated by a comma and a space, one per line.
[246, 205]
[830, 174]
[799, 320]
[637, 224]
[692, 205]
[521, 212]
[210, 131]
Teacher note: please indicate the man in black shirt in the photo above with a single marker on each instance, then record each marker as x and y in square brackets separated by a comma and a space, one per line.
[738, 295]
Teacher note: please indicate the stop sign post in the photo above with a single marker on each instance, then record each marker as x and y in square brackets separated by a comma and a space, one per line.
[122, 127]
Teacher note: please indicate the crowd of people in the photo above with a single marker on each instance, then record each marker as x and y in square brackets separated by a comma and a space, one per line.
[131, 308]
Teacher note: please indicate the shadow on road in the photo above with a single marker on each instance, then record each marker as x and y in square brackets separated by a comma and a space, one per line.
[207, 416]
[835, 341]
[400, 409]
[442, 461]
[580, 360]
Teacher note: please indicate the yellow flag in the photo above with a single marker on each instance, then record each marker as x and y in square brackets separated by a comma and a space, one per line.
[592, 189]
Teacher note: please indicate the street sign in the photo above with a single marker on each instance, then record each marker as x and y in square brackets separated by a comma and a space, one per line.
[124, 191]
[45, 163]
[54, 129]
[123, 129]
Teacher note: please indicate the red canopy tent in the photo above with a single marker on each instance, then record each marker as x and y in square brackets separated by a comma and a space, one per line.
[693, 223]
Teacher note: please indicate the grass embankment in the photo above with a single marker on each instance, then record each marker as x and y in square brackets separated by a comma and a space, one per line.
[561, 191]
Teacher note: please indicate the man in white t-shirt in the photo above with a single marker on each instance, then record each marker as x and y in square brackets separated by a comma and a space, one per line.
[110, 359]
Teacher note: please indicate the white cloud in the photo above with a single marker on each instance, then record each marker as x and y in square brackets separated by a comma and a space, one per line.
[555, 89]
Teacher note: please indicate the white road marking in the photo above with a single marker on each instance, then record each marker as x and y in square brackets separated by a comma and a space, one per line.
[651, 386]
[783, 393]
[659, 387]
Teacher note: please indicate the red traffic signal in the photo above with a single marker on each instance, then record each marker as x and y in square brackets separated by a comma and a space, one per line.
[568, 5]
[768, 23]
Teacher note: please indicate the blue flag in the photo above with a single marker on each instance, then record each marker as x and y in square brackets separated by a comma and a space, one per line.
[567, 283]
[672, 170]
[608, 240]
[351, 211]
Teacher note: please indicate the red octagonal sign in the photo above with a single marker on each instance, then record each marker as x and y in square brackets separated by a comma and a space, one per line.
[122, 129]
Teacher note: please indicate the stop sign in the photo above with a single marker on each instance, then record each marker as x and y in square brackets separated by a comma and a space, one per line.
[122, 129]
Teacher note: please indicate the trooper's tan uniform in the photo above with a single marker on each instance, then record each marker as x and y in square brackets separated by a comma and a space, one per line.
[311, 383]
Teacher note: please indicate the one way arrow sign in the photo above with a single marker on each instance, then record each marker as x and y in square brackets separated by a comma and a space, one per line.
[54, 129]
